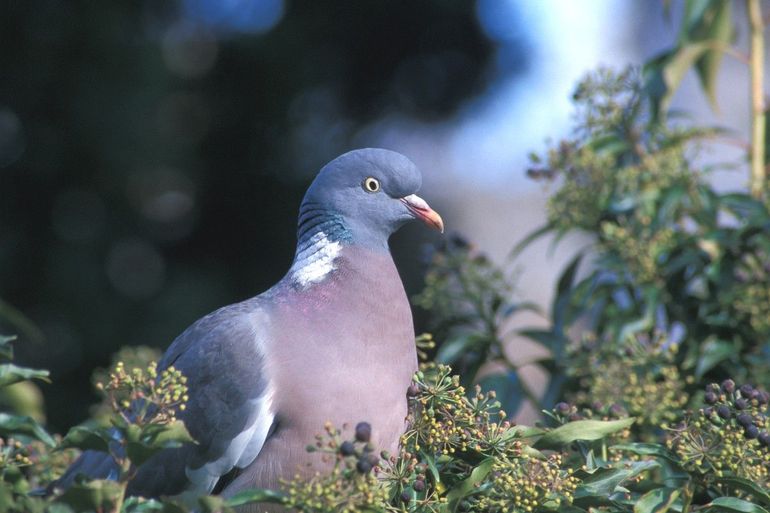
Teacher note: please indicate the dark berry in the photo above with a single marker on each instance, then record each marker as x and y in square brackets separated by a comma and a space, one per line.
[741, 403]
[745, 419]
[710, 397]
[764, 438]
[616, 410]
[751, 432]
[708, 412]
[597, 406]
[419, 485]
[724, 412]
[562, 408]
[363, 431]
[406, 497]
[373, 459]
[728, 386]
[413, 390]
[746, 390]
[763, 397]
[363, 466]
[347, 448]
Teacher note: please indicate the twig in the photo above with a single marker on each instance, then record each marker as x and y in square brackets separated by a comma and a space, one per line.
[757, 55]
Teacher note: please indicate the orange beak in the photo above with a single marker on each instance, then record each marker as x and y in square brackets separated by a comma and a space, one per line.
[421, 210]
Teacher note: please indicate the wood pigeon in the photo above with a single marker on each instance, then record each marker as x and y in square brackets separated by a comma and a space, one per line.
[333, 340]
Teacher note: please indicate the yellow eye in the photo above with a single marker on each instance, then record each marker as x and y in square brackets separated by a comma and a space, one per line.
[371, 185]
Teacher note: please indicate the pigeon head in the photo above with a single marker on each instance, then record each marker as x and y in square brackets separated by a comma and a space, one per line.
[363, 196]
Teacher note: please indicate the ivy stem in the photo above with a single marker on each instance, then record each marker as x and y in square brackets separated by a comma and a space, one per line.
[757, 59]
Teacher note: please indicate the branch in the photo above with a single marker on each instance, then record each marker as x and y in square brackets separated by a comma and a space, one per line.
[757, 58]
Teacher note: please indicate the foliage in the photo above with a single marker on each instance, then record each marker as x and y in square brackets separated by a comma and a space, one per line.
[673, 258]
[468, 298]
[674, 301]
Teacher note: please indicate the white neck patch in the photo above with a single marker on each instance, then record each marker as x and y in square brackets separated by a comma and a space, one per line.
[314, 260]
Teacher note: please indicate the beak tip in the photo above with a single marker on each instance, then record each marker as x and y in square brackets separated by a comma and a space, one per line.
[420, 209]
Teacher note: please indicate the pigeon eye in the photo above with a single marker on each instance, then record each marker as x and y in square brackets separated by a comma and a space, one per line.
[371, 184]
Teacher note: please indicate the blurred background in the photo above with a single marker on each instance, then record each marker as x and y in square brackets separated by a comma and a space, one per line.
[153, 154]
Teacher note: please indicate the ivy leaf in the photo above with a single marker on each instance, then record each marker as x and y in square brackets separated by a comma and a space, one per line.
[6, 349]
[582, 430]
[644, 449]
[734, 504]
[713, 353]
[18, 424]
[747, 486]
[658, 500]
[256, 495]
[168, 435]
[97, 495]
[469, 485]
[86, 438]
[509, 389]
[716, 27]
[10, 374]
[604, 482]
[449, 352]
[664, 73]
[564, 289]
[142, 505]
[430, 461]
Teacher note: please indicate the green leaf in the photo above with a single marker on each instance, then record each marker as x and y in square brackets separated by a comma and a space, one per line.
[166, 435]
[582, 430]
[564, 289]
[713, 352]
[519, 431]
[508, 388]
[527, 306]
[747, 486]
[643, 449]
[529, 239]
[470, 485]
[6, 349]
[256, 495]
[431, 462]
[664, 73]
[604, 482]
[717, 28]
[451, 350]
[139, 452]
[142, 505]
[733, 504]
[10, 374]
[19, 424]
[549, 339]
[658, 500]
[743, 206]
[97, 495]
[87, 438]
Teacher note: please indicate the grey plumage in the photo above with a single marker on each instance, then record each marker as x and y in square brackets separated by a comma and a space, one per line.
[332, 341]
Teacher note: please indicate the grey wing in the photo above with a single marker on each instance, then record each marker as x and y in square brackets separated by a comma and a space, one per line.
[228, 411]
[229, 408]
